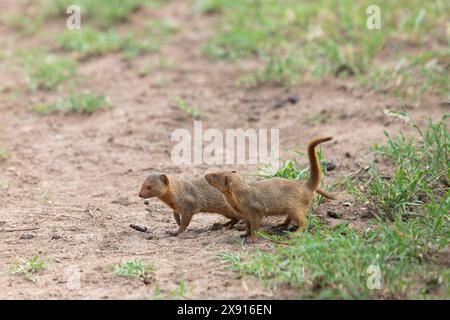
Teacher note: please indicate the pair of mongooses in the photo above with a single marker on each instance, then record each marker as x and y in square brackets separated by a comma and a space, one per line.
[226, 193]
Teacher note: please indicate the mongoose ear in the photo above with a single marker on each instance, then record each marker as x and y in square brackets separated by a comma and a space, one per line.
[164, 179]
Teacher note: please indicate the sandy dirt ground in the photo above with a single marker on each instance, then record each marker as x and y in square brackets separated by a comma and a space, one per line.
[69, 191]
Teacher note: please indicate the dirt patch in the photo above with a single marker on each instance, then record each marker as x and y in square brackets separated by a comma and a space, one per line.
[69, 191]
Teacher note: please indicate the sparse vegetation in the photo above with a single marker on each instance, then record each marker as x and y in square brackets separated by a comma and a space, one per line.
[47, 71]
[28, 268]
[180, 292]
[299, 40]
[103, 13]
[23, 23]
[89, 42]
[77, 103]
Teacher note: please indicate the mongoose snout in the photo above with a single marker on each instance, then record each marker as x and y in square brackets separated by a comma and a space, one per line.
[155, 185]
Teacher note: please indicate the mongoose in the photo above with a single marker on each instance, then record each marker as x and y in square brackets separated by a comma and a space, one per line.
[187, 198]
[276, 196]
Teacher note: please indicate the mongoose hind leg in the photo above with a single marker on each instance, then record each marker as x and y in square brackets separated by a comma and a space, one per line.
[300, 216]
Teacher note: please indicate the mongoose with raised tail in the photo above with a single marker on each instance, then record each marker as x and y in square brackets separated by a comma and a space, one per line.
[276, 196]
[186, 198]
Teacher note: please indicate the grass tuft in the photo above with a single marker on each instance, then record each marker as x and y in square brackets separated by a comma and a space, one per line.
[81, 103]
[4, 154]
[47, 72]
[28, 268]
[190, 110]
[133, 269]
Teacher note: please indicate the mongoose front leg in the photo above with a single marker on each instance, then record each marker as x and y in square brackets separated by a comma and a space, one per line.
[248, 229]
[176, 215]
[255, 223]
[185, 220]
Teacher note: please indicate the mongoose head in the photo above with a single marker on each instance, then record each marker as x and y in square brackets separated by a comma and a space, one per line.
[156, 185]
[223, 180]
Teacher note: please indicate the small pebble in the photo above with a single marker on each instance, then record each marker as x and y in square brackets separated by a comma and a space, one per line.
[334, 214]
[346, 204]
[138, 228]
[293, 99]
[330, 166]
[26, 236]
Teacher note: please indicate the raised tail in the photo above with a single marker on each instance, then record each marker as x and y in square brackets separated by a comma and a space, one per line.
[314, 178]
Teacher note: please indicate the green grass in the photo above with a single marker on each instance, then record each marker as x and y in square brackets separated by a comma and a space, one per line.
[101, 13]
[333, 262]
[47, 72]
[413, 76]
[28, 268]
[133, 269]
[27, 25]
[191, 111]
[305, 40]
[421, 170]
[77, 103]
[89, 42]
[180, 292]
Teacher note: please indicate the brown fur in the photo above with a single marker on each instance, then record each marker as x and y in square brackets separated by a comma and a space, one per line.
[187, 198]
[275, 196]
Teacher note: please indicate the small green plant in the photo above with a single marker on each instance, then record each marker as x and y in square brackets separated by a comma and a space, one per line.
[47, 71]
[80, 103]
[162, 64]
[192, 111]
[29, 268]
[133, 269]
[4, 154]
[180, 292]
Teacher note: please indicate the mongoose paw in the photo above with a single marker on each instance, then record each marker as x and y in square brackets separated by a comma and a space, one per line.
[238, 227]
[246, 238]
[217, 226]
